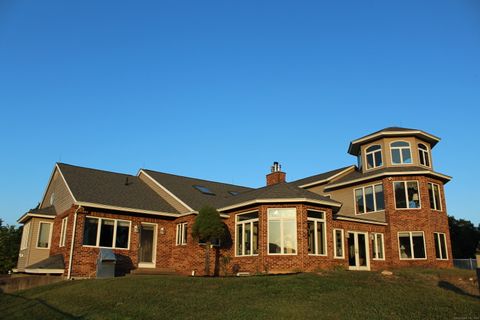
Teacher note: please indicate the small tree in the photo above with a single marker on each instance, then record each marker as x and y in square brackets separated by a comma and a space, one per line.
[208, 228]
[9, 246]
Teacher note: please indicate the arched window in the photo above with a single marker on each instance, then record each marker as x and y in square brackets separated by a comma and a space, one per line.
[423, 155]
[401, 152]
[374, 156]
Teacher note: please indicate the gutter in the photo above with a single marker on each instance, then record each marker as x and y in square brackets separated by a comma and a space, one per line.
[72, 243]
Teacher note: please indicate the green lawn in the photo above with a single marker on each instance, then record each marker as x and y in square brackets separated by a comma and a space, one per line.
[409, 294]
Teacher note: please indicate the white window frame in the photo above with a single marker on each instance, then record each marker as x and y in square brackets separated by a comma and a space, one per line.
[373, 155]
[406, 195]
[402, 161]
[181, 236]
[315, 223]
[99, 228]
[365, 199]
[243, 223]
[335, 244]
[25, 236]
[438, 206]
[49, 234]
[281, 232]
[63, 232]
[375, 245]
[439, 245]
[411, 245]
[424, 153]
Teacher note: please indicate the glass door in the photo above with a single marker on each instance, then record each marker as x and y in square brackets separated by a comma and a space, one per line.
[358, 258]
[147, 248]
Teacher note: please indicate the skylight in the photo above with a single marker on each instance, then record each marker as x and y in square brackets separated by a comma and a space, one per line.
[204, 190]
[233, 193]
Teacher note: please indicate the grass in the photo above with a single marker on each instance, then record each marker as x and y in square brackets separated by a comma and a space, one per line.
[409, 294]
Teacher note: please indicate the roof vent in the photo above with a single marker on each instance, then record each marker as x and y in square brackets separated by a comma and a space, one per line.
[276, 167]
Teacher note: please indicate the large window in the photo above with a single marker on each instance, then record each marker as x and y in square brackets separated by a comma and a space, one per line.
[423, 155]
[63, 232]
[411, 245]
[440, 246]
[181, 234]
[434, 195]
[378, 246]
[43, 240]
[282, 231]
[401, 153]
[369, 199]
[338, 241]
[374, 156]
[406, 195]
[247, 234]
[317, 237]
[25, 236]
[106, 233]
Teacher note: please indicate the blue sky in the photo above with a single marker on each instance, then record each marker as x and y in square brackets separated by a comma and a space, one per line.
[219, 90]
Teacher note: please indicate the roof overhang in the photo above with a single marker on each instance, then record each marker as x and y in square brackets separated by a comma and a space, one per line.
[359, 220]
[286, 200]
[46, 271]
[29, 215]
[126, 209]
[311, 184]
[443, 177]
[354, 148]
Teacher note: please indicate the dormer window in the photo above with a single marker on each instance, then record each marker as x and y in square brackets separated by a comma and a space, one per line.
[423, 155]
[374, 156]
[401, 153]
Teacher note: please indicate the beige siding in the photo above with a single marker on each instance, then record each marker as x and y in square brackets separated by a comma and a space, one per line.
[32, 254]
[62, 198]
[162, 193]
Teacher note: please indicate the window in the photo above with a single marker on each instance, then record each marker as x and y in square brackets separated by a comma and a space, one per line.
[377, 246]
[282, 231]
[181, 234]
[106, 233]
[406, 195]
[374, 156]
[434, 195]
[440, 246]
[317, 237]
[411, 245]
[25, 236]
[369, 199]
[63, 232]
[247, 234]
[204, 190]
[338, 241]
[400, 152]
[233, 193]
[43, 240]
[423, 155]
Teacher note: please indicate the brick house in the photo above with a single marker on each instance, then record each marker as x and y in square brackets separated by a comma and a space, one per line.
[389, 210]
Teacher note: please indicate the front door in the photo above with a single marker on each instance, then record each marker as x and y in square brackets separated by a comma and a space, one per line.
[358, 257]
[147, 249]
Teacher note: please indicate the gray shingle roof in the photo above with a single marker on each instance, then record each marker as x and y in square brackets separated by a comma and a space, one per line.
[277, 191]
[49, 211]
[113, 189]
[317, 177]
[52, 262]
[183, 188]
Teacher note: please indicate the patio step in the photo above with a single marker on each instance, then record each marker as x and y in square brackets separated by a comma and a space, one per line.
[153, 271]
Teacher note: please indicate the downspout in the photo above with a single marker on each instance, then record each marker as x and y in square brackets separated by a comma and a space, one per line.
[73, 243]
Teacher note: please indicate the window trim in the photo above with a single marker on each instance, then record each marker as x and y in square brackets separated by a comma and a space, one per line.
[424, 151]
[434, 199]
[411, 245]
[183, 236]
[439, 245]
[325, 244]
[373, 152]
[374, 256]
[25, 236]
[406, 194]
[402, 162]
[250, 221]
[49, 234]
[335, 244]
[99, 227]
[365, 201]
[63, 232]
[281, 233]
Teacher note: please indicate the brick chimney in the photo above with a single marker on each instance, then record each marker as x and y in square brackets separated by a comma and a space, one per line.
[276, 176]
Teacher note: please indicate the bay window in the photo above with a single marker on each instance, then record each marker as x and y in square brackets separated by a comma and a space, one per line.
[282, 231]
[411, 245]
[44, 233]
[401, 153]
[246, 226]
[317, 237]
[406, 194]
[374, 156]
[369, 199]
[423, 155]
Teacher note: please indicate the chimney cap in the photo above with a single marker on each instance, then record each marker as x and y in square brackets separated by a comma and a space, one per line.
[276, 167]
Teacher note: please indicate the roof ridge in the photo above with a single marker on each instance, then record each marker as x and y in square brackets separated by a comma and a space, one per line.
[95, 169]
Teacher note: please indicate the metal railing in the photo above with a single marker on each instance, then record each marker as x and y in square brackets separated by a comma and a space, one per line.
[470, 264]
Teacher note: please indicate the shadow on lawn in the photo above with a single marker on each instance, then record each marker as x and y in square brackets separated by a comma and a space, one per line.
[22, 304]
[451, 287]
